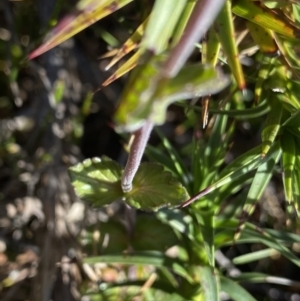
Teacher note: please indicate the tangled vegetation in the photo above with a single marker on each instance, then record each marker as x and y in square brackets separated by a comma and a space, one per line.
[153, 155]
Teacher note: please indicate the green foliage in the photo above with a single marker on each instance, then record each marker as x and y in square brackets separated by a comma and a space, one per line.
[99, 181]
[138, 104]
[223, 195]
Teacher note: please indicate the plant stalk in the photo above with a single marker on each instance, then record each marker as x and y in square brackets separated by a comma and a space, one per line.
[136, 152]
[202, 17]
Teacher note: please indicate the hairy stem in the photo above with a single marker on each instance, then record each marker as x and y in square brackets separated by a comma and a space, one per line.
[203, 16]
[136, 152]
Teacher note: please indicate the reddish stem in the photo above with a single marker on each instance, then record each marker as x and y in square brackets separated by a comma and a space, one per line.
[136, 152]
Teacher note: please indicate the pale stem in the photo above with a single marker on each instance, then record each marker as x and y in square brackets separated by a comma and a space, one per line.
[136, 152]
[202, 17]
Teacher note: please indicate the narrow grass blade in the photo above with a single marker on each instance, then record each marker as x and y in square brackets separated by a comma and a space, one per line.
[288, 163]
[216, 147]
[155, 154]
[179, 30]
[225, 31]
[86, 13]
[254, 256]
[272, 125]
[234, 290]
[131, 44]
[159, 285]
[263, 74]
[266, 18]
[260, 181]
[209, 283]
[153, 258]
[252, 234]
[125, 68]
[210, 52]
[242, 160]
[178, 163]
[264, 278]
[211, 48]
[258, 111]
[161, 24]
[251, 164]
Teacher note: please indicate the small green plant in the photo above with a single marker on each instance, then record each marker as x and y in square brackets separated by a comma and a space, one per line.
[162, 77]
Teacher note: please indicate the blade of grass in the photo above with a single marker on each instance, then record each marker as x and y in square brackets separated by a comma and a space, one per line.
[87, 13]
[266, 18]
[234, 290]
[225, 30]
[254, 256]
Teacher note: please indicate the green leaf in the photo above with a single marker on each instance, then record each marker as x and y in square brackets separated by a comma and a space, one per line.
[162, 21]
[257, 13]
[263, 37]
[180, 169]
[170, 291]
[129, 45]
[262, 109]
[288, 163]
[154, 258]
[97, 180]
[137, 103]
[225, 31]
[254, 277]
[211, 48]
[153, 188]
[209, 283]
[260, 181]
[151, 234]
[184, 18]
[252, 234]
[239, 172]
[272, 125]
[254, 256]
[234, 290]
[118, 241]
[87, 12]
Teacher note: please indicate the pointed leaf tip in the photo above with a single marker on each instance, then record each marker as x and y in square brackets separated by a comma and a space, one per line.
[87, 13]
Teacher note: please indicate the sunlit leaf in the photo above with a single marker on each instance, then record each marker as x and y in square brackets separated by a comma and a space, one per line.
[97, 180]
[266, 18]
[251, 162]
[86, 13]
[263, 37]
